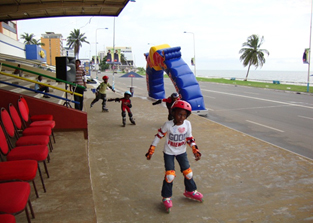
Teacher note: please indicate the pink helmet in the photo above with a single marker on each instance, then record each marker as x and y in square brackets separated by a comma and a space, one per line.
[183, 105]
[105, 77]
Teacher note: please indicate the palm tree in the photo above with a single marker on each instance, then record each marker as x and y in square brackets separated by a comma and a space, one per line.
[123, 59]
[37, 42]
[252, 54]
[28, 38]
[75, 39]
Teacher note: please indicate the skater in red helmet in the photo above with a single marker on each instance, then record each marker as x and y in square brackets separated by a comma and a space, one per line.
[125, 106]
[169, 102]
[178, 133]
[101, 93]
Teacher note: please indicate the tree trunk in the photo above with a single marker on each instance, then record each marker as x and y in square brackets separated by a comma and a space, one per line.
[247, 72]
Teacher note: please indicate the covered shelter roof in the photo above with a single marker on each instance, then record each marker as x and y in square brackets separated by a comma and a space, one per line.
[29, 9]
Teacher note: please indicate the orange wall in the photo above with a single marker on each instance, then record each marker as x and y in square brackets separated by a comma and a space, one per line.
[66, 119]
[53, 49]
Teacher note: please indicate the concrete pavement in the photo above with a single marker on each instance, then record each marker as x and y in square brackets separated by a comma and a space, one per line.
[108, 179]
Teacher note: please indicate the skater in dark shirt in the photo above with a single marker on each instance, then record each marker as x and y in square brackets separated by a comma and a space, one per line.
[125, 106]
[177, 133]
[169, 102]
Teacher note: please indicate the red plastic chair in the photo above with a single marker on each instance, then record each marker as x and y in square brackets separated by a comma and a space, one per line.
[23, 140]
[24, 170]
[14, 198]
[24, 111]
[44, 130]
[7, 218]
[33, 118]
[38, 153]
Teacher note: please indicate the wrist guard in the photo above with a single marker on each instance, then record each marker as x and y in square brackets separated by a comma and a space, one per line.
[196, 152]
[150, 152]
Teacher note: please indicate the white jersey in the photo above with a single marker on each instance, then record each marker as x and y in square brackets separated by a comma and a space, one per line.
[175, 136]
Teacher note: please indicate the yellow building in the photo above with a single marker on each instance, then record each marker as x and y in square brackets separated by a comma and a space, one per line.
[53, 46]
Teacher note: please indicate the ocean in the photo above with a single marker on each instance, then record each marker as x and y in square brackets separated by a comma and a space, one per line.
[286, 77]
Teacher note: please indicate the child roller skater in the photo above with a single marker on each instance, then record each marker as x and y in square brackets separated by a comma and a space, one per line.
[178, 134]
[101, 93]
[125, 106]
[169, 102]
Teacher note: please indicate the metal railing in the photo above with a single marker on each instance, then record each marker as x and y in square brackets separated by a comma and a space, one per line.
[40, 83]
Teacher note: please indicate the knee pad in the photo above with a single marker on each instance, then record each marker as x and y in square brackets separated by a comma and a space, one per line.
[130, 114]
[123, 114]
[169, 176]
[188, 173]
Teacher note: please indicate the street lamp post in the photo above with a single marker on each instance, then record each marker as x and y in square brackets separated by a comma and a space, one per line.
[113, 79]
[194, 53]
[309, 59]
[97, 53]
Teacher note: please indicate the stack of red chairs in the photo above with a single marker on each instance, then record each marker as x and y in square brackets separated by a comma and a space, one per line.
[26, 147]
[24, 141]
[35, 120]
[40, 130]
[21, 140]
[15, 194]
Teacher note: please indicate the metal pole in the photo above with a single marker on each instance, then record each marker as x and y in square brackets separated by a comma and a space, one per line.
[96, 59]
[194, 52]
[113, 51]
[96, 56]
[309, 65]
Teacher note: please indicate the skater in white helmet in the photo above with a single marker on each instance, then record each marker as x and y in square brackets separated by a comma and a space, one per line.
[178, 133]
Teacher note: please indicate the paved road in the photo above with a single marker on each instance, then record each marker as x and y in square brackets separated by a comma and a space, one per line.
[282, 118]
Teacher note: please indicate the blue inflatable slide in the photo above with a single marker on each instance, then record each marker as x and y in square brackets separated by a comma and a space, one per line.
[164, 58]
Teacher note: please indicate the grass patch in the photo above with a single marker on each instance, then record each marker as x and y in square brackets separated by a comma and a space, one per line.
[285, 87]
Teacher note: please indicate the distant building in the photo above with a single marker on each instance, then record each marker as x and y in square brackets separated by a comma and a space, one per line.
[53, 46]
[69, 52]
[101, 54]
[9, 28]
[128, 54]
[10, 47]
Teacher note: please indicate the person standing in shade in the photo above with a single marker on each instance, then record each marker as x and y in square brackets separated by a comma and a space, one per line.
[79, 81]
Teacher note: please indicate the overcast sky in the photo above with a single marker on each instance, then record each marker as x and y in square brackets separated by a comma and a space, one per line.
[219, 27]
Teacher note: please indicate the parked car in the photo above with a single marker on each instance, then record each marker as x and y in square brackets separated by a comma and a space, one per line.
[92, 83]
